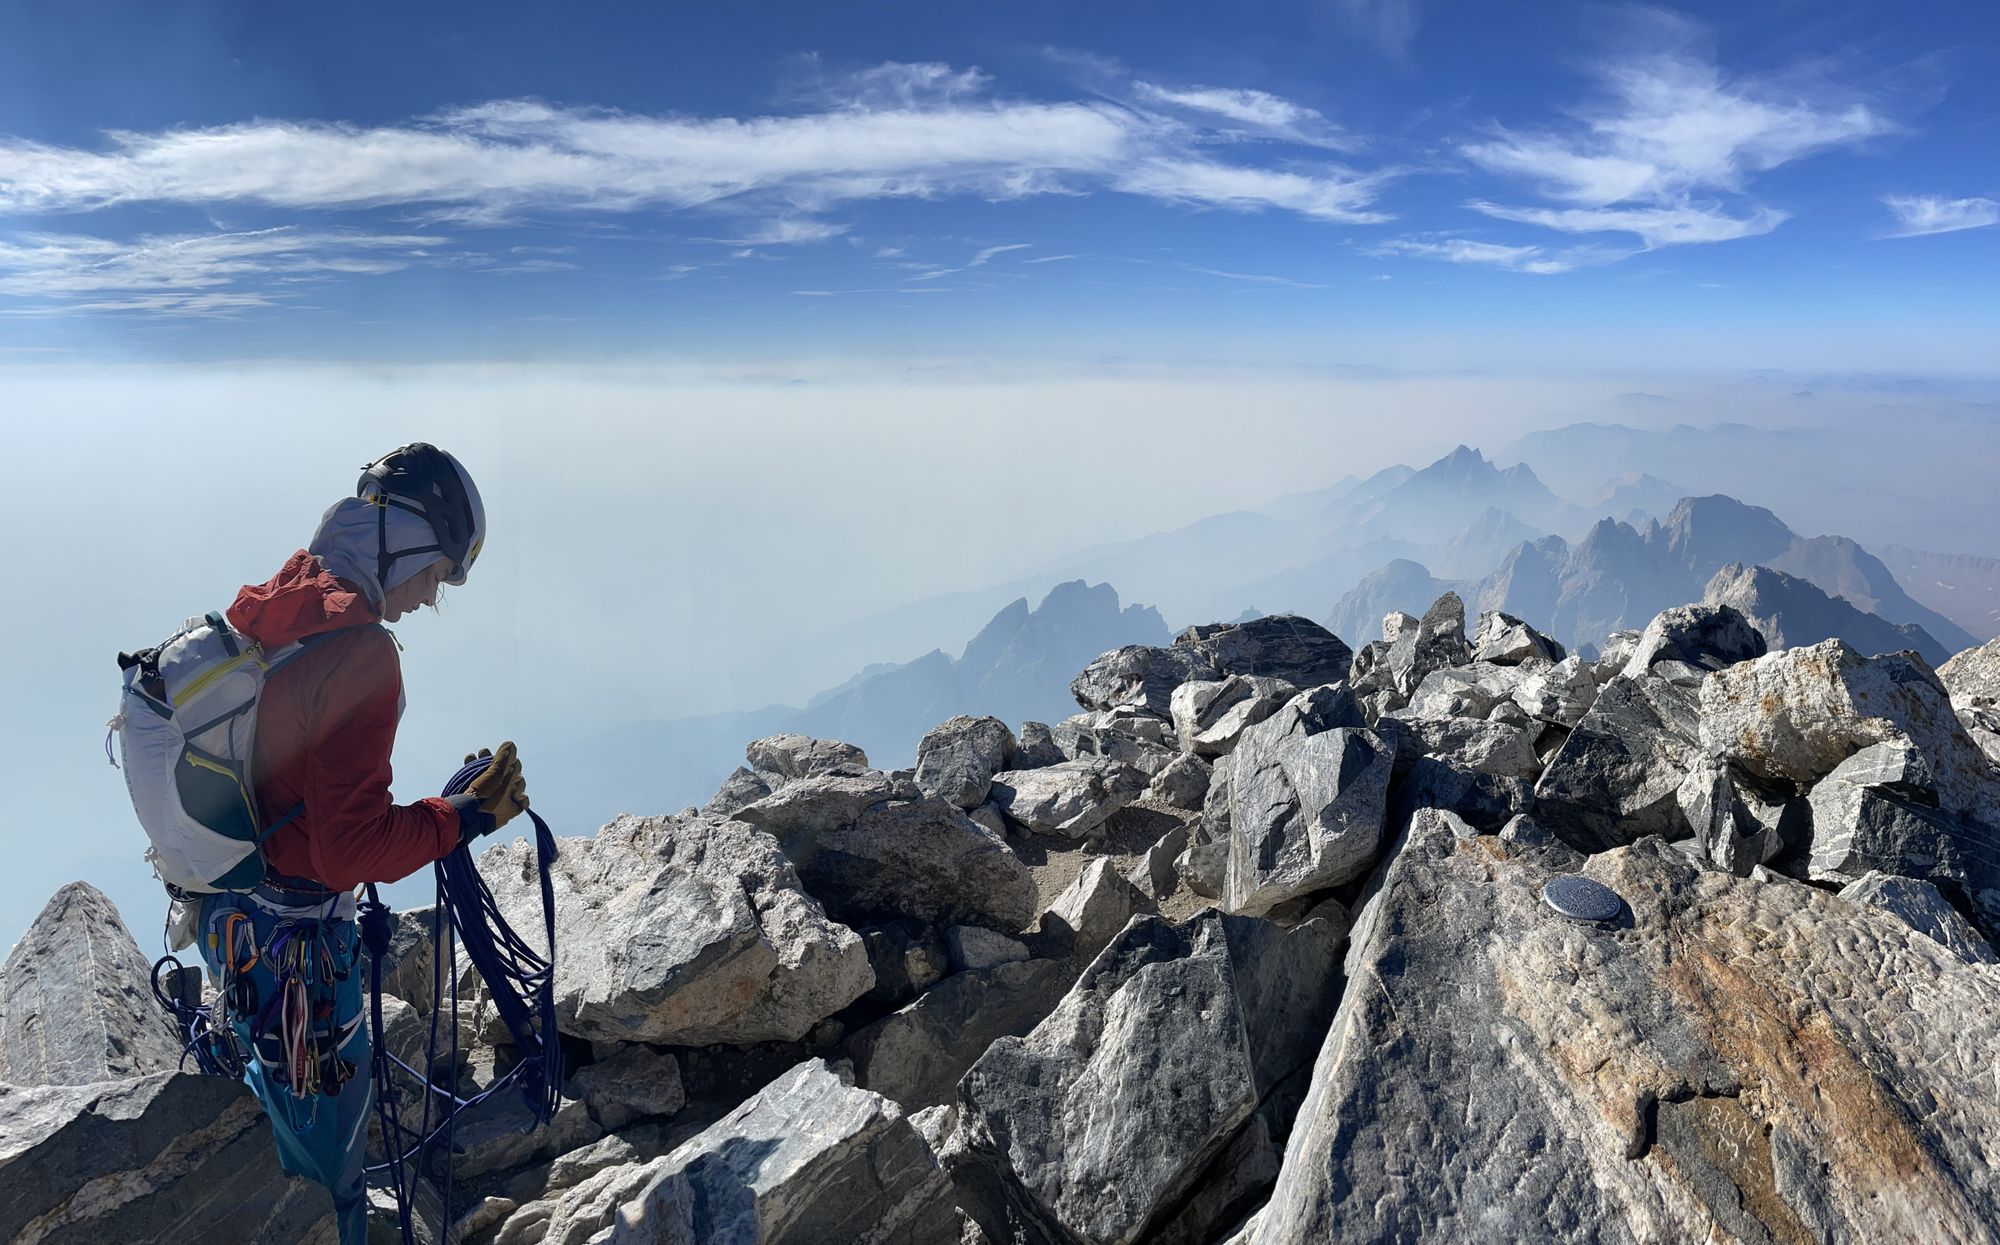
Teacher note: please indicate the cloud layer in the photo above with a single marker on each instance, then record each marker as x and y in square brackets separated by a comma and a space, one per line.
[1917, 215]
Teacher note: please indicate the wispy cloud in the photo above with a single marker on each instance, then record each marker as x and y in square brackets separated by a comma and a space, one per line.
[1255, 112]
[988, 252]
[1047, 259]
[1667, 140]
[185, 273]
[1537, 260]
[1917, 215]
[1654, 226]
[899, 131]
[899, 289]
[1258, 278]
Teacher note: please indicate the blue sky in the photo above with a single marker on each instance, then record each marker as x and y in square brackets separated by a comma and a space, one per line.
[1788, 184]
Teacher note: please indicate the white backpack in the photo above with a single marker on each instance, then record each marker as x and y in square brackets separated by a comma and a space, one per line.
[186, 725]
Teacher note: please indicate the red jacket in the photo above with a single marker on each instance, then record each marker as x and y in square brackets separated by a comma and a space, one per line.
[326, 725]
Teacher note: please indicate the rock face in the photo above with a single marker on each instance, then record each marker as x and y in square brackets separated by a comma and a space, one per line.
[1878, 810]
[1707, 637]
[166, 1157]
[1920, 906]
[1796, 714]
[1091, 1127]
[1284, 646]
[809, 1159]
[1507, 641]
[1616, 776]
[1073, 798]
[684, 932]
[1209, 715]
[1973, 680]
[917, 1055]
[957, 759]
[75, 1001]
[1306, 811]
[1763, 1061]
[870, 846]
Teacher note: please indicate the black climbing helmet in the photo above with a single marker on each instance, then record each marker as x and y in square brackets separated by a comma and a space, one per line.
[423, 479]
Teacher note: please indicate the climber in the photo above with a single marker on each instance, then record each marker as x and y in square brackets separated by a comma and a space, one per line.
[284, 954]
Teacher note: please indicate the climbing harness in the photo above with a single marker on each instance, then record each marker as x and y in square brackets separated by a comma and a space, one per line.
[294, 1026]
[520, 983]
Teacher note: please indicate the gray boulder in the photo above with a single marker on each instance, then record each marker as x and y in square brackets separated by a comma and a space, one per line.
[683, 931]
[1917, 904]
[1281, 646]
[1728, 1060]
[870, 845]
[975, 947]
[1738, 822]
[1973, 680]
[801, 756]
[1560, 694]
[1183, 784]
[1095, 1126]
[917, 1055]
[1093, 908]
[1470, 691]
[1304, 809]
[76, 1002]
[1140, 676]
[1209, 715]
[810, 1159]
[1037, 747]
[634, 1083]
[1495, 748]
[1878, 810]
[1137, 740]
[957, 758]
[1437, 643]
[1617, 776]
[1708, 637]
[743, 787]
[166, 1157]
[1795, 715]
[908, 958]
[1505, 640]
[1285, 647]
[1072, 799]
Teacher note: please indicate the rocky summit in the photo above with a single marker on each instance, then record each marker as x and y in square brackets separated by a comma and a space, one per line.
[1448, 934]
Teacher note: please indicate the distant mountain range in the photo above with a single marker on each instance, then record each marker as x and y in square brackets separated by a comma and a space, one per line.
[1346, 554]
[1619, 576]
[1018, 667]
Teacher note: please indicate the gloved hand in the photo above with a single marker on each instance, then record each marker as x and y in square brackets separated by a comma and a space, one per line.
[499, 794]
[502, 790]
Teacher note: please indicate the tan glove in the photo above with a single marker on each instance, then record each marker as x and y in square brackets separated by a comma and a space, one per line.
[502, 791]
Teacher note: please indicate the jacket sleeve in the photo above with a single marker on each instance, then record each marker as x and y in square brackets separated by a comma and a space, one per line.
[355, 831]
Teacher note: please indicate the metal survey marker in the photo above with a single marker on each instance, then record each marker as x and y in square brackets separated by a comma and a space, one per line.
[1581, 899]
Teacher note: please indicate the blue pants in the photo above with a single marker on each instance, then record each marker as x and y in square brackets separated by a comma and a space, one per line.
[320, 1136]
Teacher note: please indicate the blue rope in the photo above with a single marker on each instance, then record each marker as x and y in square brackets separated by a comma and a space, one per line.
[522, 986]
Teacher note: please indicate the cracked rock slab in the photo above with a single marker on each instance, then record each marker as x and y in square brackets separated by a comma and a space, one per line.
[1091, 1128]
[1729, 1060]
[683, 932]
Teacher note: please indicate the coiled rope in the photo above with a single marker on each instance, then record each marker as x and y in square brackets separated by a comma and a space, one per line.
[520, 982]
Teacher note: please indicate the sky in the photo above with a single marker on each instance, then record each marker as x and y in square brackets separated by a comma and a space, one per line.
[756, 321]
[1370, 182]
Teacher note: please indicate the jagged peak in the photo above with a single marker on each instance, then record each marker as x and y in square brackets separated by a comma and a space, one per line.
[1077, 595]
